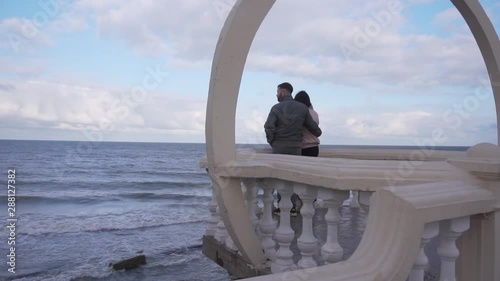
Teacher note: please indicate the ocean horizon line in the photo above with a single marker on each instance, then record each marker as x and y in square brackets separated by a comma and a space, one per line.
[238, 144]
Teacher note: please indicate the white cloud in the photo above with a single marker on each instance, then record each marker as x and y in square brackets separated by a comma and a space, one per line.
[153, 28]
[22, 36]
[44, 104]
[451, 21]
[307, 44]
[420, 1]
[387, 124]
[299, 39]
[250, 127]
[404, 127]
[27, 68]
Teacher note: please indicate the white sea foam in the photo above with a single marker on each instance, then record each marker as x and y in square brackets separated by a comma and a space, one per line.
[38, 224]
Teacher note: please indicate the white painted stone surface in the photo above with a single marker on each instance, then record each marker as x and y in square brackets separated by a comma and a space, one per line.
[415, 193]
[267, 224]
[331, 251]
[431, 230]
[284, 234]
[307, 243]
[214, 216]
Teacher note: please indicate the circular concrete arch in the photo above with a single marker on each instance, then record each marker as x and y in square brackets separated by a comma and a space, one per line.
[229, 61]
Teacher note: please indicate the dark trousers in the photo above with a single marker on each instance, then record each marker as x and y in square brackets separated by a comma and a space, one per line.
[294, 199]
[310, 151]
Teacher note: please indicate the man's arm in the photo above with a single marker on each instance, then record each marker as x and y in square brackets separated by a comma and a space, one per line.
[312, 126]
[270, 127]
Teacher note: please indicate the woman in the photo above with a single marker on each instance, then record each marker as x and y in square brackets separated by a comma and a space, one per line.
[310, 143]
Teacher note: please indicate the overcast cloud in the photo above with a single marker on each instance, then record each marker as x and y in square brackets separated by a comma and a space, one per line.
[311, 41]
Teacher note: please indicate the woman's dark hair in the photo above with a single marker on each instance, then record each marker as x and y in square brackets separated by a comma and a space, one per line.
[303, 97]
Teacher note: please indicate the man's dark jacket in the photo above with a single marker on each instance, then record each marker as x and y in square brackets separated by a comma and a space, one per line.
[285, 123]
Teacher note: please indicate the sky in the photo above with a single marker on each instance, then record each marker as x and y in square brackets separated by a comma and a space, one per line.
[379, 72]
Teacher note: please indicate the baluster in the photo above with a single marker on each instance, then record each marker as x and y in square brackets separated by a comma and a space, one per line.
[307, 243]
[267, 225]
[355, 199]
[229, 243]
[431, 230]
[332, 251]
[250, 199]
[257, 208]
[284, 235]
[364, 201]
[221, 232]
[450, 230]
[214, 216]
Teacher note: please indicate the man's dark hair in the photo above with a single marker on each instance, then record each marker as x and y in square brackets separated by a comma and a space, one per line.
[303, 97]
[287, 86]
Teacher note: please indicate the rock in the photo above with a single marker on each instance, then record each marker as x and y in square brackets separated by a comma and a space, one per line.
[129, 263]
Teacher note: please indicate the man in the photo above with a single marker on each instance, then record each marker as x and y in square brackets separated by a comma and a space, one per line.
[284, 128]
[285, 123]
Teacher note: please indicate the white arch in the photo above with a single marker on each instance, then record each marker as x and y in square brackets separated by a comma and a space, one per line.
[230, 56]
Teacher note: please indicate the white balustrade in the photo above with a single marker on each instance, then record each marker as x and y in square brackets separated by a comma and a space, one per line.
[284, 234]
[431, 230]
[450, 230]
[355, 199]
[221, 232]
[267, 225]
[307, 243]
[230, 244]
[364, 201]
[250, 199]
[257, 208]
[333, 199]
[214, 216]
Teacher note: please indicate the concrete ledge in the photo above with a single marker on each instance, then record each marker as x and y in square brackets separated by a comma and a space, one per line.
[230, 260]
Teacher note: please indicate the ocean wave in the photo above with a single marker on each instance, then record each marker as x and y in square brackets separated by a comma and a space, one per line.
[183, 249]
[75, 199]
[96, 268]
[106, 196]
[36, 225]
[155, 196]
[110, 183]
[79, 272]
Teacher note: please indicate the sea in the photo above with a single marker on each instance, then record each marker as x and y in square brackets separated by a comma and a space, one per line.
[80, 206]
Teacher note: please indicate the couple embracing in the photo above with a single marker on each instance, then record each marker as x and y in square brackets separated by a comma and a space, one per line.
[292, 126]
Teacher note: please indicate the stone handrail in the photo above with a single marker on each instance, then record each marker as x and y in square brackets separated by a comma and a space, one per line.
[395, 226]
[227, 169]
[345, 173]
[409, 207]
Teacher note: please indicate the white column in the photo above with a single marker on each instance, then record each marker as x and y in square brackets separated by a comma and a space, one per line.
[450, 230]
[307, 243]
[267, 225]
[332, 251]
[230, 244]
[480, 248]
[221, 232]
[355, 199]
[250, 188]
[257, 208]
[431, 230]
[284, 235]
[364, 203]
[214, 216]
